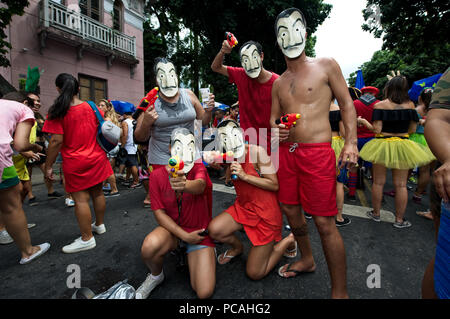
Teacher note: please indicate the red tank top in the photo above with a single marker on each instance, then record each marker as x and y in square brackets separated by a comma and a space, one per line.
[254, 203]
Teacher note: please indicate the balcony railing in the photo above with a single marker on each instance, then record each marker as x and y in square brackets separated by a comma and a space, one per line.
[53, 14]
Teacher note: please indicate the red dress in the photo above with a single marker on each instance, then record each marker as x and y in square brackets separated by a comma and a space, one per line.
[84, 162]
[256, 209]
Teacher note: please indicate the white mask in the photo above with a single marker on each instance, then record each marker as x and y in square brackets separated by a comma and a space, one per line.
[231, 139]
[251, 61]
[183, 146]
[167, 79]
[291, 34]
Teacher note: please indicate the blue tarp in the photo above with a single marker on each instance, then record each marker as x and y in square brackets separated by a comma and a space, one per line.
[221, 106]
[123, 107]
[419, 85]
[359, 80]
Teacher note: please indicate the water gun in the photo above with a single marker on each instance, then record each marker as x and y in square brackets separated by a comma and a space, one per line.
[175, 164]
[232, 41]
[146, 102]
[225, 156]
[288, 120]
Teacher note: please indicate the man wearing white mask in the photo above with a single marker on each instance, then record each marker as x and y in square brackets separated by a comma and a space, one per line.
[183, 209]
[176, 107]
[254, 84]
[307, 171]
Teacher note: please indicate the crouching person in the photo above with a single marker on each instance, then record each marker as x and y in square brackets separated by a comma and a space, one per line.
[256, 209]
[183, 209]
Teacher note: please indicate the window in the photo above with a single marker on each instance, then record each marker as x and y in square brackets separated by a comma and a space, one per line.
[135, 5]
[91, 8]
[118, 15]
[92, 89]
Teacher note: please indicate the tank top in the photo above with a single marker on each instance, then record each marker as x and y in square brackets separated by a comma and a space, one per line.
[254, 203]
[129, 145]
[335, 117]
[170, 116]
[395, 121]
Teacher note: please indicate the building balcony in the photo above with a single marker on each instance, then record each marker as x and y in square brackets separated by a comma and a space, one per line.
[86, 34]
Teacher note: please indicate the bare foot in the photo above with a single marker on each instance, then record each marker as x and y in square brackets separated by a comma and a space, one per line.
[426, 215]
[228, 255]
[291, 250]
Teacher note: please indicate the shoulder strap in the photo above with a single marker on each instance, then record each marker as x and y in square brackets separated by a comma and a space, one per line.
[96, 111]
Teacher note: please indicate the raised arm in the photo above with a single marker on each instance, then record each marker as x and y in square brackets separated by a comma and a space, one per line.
[203, 114]
[217, 64]
[144, 124]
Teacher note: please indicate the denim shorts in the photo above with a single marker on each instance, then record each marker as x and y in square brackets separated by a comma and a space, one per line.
[190, 248]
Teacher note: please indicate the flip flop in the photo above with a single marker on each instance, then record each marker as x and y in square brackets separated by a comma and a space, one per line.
[44, 247]
[225, 255]
[288, 253]
[288, 269]
[425, 215]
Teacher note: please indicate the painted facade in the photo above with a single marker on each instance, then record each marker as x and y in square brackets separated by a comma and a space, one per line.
[57, 37]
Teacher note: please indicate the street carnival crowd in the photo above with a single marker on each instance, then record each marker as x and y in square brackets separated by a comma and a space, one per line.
[316, 139]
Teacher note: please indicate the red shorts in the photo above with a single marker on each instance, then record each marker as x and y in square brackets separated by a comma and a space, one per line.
[260, 234]
[307, 177]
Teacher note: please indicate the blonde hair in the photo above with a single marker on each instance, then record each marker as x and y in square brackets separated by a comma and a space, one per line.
[110, 112]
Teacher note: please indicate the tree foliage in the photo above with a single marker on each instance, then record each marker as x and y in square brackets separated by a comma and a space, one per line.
[415, 39]
[8, 9]
[207, 22]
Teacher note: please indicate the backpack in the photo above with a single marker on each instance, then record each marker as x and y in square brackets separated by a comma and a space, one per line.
[121, 290]
[108, 133]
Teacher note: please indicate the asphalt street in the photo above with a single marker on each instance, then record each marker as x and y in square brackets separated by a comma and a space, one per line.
[401, 254]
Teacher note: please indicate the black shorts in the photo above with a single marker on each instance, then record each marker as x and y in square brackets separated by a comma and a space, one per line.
[131, 160]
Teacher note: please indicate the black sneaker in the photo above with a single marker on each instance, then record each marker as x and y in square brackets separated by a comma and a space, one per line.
[308, 216]
[351, 198]
[345, 222]
[112, 194]
[32, 201]
[55, 195]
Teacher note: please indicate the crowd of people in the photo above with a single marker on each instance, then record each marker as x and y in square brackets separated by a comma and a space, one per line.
[342, 136]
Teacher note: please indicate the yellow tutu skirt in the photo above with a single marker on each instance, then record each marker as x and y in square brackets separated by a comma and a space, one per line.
[395, 153]
[337, 144]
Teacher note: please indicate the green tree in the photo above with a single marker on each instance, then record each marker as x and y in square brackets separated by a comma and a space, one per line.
[10, 8]
[207, 22]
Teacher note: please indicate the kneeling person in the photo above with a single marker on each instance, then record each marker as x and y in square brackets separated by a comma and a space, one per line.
[256, 208]
[183, 209]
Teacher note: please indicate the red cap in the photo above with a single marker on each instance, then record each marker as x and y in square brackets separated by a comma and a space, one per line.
[370, 89]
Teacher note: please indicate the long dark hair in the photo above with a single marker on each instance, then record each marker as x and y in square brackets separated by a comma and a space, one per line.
[69, 88]
[396, 90]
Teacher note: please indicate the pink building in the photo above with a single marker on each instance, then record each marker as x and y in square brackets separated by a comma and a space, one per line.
[100, 42]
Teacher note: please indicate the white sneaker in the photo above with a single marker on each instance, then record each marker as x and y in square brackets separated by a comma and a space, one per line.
[44, 247]
[70, 202]
[98, 229]
[79, 245]
[5, 238]
[147, 286]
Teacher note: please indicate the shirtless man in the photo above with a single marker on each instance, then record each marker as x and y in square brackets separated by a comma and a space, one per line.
[307, 171]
